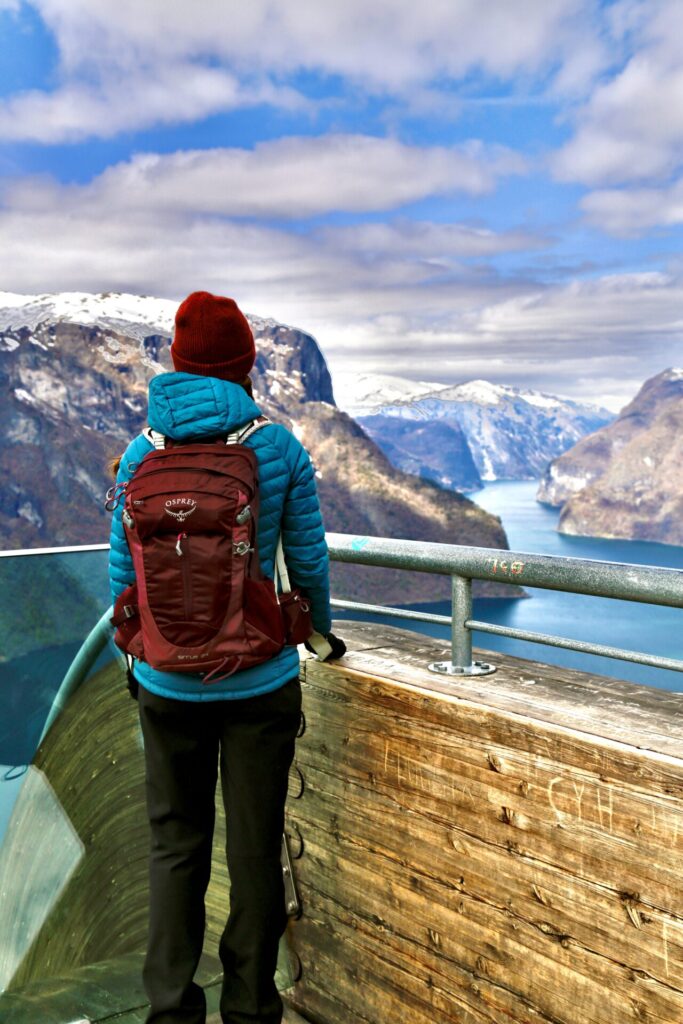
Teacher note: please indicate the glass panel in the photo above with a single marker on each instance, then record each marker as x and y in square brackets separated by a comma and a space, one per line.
[48, 605]
[73, 825]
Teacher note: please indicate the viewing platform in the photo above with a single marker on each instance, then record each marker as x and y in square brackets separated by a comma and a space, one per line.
[496, 848]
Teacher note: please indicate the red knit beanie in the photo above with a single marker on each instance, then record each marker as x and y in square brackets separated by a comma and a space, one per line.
[212, 338]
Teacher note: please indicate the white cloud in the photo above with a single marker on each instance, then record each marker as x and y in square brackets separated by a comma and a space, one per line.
[286, 178]
[391, 42]
[604, 310]
[595, 339]
[129, 65]
[429, 241]
[629, 212]
[382, 297]
[631, 128]
[130, 102]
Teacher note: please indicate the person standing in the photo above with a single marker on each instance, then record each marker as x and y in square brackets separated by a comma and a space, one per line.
[243, 726]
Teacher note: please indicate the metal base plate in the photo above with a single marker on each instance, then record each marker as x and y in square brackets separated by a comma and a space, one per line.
[477, 668]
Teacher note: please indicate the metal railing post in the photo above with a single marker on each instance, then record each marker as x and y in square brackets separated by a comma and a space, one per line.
[461, 663]
[461, 611]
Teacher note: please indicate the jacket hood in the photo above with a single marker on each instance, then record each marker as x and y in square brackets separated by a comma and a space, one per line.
[184, 405]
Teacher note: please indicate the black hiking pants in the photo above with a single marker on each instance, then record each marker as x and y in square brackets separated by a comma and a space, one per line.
[252, 740]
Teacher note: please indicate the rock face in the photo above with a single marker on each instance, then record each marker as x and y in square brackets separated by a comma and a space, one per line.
[625, 480]
[436, 450]
[473, 432]
[75, 370]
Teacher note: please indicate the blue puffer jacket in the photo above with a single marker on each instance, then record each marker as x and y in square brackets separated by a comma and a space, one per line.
[184, 406]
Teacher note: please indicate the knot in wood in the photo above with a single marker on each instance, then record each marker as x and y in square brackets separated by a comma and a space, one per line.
[540, 895]
[482, 965]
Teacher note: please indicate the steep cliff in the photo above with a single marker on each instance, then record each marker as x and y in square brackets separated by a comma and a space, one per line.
[625, 480]
[75, 370]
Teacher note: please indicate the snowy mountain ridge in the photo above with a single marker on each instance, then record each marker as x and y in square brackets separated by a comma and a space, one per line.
[368, 394]
[30, 311]
[460, 435]
[131, 314]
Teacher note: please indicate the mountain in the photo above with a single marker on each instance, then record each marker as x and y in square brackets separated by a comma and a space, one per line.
[625, 480]
[75, 369]
[469, 432]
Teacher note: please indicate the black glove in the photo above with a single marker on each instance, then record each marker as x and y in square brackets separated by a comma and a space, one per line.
[338, 647]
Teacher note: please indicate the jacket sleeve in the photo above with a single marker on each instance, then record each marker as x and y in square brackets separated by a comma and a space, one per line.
[121, 572]
[303, 535]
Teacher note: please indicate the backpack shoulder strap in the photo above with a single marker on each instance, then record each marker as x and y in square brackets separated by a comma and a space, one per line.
[238, 436]
[234, 437]
[155, 438]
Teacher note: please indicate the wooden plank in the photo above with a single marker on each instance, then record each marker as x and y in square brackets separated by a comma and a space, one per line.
[444, 865]
[641, 715]
[511, 768]
[474, 853]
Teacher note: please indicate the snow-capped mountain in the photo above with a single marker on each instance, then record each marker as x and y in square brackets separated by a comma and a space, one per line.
[360, 394]
[141, 312]
[464, 434]
[75, 370]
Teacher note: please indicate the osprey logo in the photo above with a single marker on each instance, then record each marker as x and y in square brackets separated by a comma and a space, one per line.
[180, 508]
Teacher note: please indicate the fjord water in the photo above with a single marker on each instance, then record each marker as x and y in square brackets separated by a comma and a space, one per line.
[531, 527]
[648, 628]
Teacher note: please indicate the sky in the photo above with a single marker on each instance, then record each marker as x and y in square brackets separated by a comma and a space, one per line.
[446, 191]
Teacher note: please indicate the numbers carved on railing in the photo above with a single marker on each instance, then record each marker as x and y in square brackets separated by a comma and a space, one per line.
[501, 566]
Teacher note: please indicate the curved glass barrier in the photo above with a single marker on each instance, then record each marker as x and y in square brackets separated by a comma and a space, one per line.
[48, 605]
[73, 823]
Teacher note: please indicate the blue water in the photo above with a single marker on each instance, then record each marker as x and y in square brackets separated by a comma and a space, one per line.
[531, 527]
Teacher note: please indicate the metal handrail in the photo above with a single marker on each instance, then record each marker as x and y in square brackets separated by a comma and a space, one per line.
[54, 551]
[620, 580]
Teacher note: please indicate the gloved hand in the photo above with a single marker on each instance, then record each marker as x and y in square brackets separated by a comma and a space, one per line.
[338, 647]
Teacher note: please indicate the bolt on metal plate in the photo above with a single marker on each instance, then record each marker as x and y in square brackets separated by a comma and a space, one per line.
[477, 668]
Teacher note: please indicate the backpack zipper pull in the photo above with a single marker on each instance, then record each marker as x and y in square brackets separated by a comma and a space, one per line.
[244, 515]
[178, 548]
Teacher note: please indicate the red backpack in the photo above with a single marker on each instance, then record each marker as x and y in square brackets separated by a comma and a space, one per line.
[200, 602]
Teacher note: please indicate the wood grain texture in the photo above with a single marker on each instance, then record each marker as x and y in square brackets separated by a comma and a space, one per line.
[485, 851]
